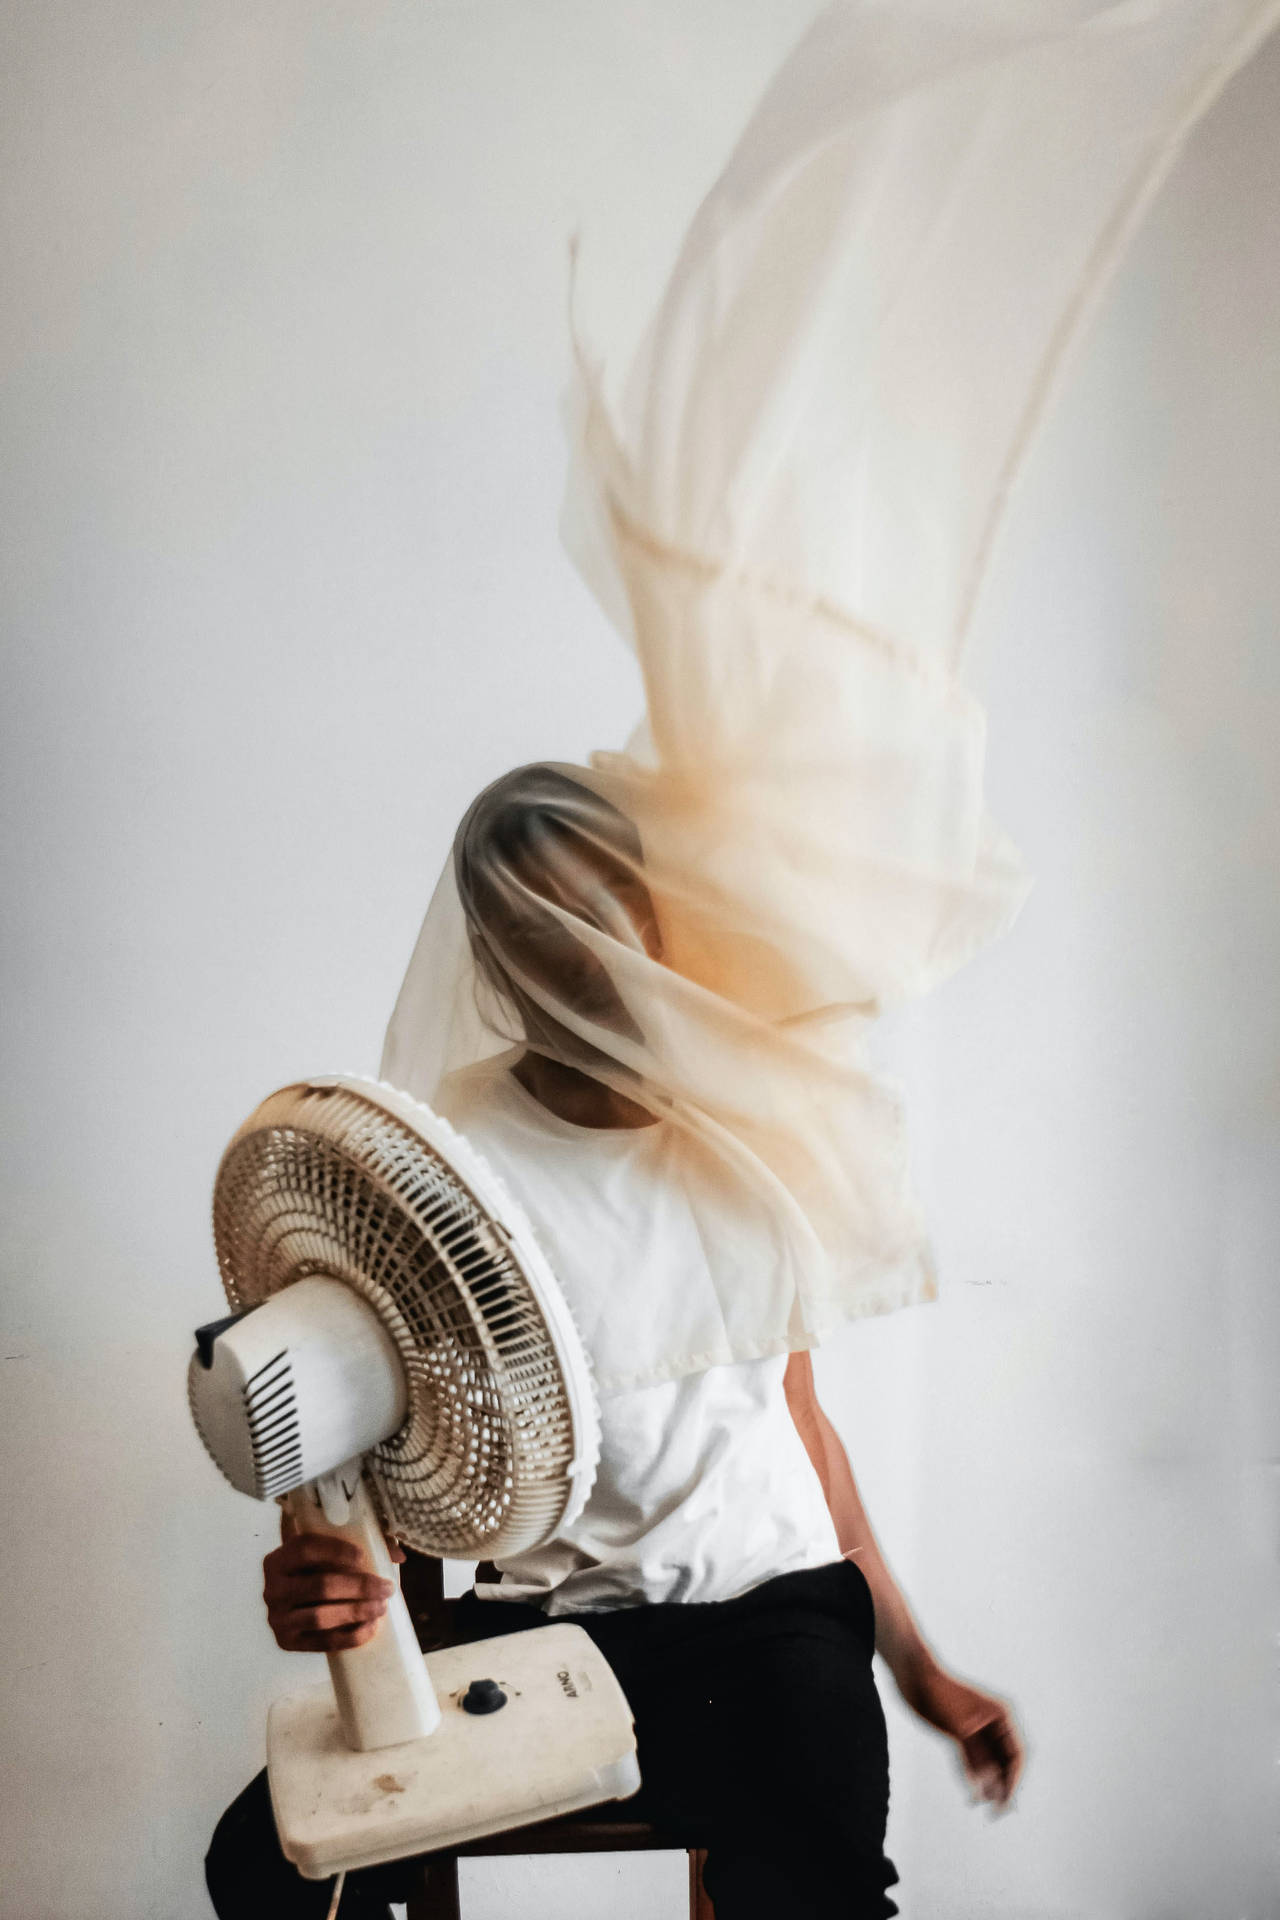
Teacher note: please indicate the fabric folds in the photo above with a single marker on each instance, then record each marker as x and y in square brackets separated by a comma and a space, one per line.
[789, 515]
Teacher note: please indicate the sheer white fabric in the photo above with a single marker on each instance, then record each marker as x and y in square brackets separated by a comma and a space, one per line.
[790, 518]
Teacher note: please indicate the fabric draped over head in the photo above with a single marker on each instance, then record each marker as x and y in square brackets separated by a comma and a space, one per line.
[541, 864]
[789, 516]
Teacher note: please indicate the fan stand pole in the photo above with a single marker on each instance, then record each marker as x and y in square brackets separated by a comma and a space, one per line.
[383, 1690]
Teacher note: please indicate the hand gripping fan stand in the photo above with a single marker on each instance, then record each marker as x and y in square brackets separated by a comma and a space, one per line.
[399, 1350]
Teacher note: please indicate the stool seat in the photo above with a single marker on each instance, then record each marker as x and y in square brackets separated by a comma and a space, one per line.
[576, 1833]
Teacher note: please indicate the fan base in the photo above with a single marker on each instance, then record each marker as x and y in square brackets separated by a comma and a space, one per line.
[563, 1740]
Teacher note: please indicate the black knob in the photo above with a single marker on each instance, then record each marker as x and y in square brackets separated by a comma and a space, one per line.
[483, 1696]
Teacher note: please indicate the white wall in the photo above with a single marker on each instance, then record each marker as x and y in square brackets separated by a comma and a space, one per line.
[282, 350]
[1090, 1412]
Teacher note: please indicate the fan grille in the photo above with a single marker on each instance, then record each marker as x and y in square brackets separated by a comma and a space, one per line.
[321, 1180]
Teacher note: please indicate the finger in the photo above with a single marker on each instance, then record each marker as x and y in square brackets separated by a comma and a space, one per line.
[321, 1619]
[1001, 1797]
[312, 1630]
[982, 1765]
[311, 1584]
[336, 1640]
[341, 1640]
[282, 1601]
[1000, 1778]
[329, 1549]
[311, 1615]
[1007, 1752]
[285, 1592]
[1010, 1776]
[284, 1566]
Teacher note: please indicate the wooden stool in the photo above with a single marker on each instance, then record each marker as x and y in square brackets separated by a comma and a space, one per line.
[605, 1831]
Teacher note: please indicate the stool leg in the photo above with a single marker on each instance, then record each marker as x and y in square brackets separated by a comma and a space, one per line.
[437, 1898]
[700, 1907]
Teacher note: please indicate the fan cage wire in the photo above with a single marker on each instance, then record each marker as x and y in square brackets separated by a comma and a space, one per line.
[320, 1181]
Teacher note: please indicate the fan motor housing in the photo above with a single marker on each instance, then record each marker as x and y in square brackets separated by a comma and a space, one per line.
[289, 1390]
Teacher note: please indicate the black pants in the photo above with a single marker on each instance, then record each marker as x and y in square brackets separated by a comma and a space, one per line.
[760, 1737]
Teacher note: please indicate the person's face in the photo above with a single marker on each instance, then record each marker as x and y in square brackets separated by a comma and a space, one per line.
[593, 886]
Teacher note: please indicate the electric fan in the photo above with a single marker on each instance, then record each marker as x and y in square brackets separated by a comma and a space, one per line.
[399, 1352]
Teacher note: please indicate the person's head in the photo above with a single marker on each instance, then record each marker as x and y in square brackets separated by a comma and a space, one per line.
[534, 841]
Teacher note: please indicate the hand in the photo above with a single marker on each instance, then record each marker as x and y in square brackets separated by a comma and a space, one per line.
[982, 1726]
[322, 1596]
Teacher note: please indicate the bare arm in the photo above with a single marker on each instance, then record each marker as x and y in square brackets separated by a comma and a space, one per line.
[981, 1725]
[899, 1640]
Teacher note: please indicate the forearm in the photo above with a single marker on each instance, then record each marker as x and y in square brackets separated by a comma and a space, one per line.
[982, 1725]
[899, 1640]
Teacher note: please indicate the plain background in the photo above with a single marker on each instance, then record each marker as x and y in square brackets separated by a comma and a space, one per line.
[283, 341]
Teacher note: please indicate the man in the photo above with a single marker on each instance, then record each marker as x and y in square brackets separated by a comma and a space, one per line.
[724, 1562]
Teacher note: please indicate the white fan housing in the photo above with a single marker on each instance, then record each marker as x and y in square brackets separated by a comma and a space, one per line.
[396, 1328]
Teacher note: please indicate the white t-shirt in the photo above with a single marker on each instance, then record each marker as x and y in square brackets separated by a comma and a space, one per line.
[704, 1488]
